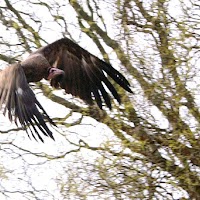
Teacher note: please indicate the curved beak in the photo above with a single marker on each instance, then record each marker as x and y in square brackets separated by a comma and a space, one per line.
[54, 72]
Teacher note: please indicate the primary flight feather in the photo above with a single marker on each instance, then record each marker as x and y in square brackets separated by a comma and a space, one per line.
[67, 66]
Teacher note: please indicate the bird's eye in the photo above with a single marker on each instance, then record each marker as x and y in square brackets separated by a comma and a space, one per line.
[51, 70]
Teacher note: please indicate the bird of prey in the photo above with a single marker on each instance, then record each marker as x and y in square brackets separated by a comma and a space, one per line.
[67, 66]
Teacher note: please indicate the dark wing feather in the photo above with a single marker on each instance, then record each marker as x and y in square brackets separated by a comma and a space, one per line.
[84, 72]
[19, 101]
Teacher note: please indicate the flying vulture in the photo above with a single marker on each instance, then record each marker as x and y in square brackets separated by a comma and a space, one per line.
[66, 65]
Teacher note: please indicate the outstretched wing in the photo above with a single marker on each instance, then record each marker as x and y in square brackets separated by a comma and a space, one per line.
[20, 103]
[84, 73]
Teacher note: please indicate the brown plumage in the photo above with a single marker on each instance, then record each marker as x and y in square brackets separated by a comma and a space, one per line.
[67, 66]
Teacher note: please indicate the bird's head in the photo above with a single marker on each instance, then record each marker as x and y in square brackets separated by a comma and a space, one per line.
[56, 76]
[55, 73]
